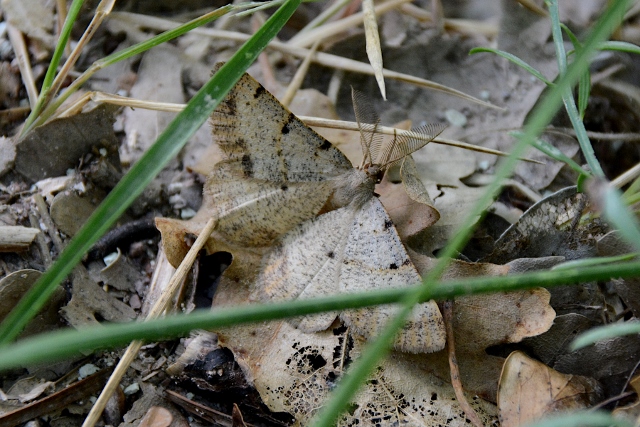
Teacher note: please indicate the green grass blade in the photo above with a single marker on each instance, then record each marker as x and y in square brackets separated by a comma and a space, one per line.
[584, 84]
[584, 92]
[64, 343]
[620, 46]
[519, 62]
[166, 147]
[574, 40]
[554, 153]
[609, 200]
[605, 333]
[588, 262]
[65, 34]
[567, 96]
[541, 116]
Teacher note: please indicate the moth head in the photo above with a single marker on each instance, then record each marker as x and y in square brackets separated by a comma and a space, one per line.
[375, 172]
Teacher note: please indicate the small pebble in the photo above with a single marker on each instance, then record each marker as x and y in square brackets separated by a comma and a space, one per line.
[132, 389]
[455, 117]
[86, 370]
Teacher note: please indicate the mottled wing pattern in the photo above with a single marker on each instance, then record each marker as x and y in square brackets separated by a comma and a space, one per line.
[305, 263]
[277, 172]
[264, 140]
[374, 258]
[255, 212]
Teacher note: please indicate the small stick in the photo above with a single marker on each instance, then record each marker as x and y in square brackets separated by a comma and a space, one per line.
[447, 314]
[22, 56]
[100, 97]
[158, 308]
[296, 82]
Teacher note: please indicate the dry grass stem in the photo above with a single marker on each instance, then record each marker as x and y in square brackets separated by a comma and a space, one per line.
[102, 11]
[463, 26]
[158, 309]
[320, 19]
[626, 177]
[298, 78]
[447, 314]
[22, 55]
[331, 29]
[325, 59]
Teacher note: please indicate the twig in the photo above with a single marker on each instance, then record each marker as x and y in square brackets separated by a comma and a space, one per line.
[299, 76]
[22, 56]
[158, 308]
[447, 314]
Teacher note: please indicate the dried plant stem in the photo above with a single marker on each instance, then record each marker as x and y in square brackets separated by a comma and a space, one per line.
[22, 55]
[321, 19]
[464, 26]
[102, 11]
[447, 314]
[627, 176]
[61, 15]
[297, 79]
[101, 97]
[325, 59]
[336, 27]
[158, 308]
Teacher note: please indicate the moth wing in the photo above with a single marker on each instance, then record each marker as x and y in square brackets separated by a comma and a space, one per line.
[374, 258]
[254, 212]
[305, 263]
[266, 141]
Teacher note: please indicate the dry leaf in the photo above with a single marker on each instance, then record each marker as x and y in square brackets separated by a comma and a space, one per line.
[316, 259]
[14, 286]
[88, 300]
[294, 371]
[632, 411]
[156, 416]
[32, 17]
[530, 390]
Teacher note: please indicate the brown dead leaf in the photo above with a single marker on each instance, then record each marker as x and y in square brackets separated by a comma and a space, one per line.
[530, 390]
[294, 371]
[32, 17]
[14, 286]
[156, 416]
[632, 411]
[482, 321]
[88, 300]
[52, 149]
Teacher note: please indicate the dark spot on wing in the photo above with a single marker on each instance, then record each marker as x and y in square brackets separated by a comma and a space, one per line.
[259, 91]
[388, 224]
[241, 143]
[284, 187]
[406, 262]
[325, 145]
[287, 126]
[331, 254]
[247, 166]
[393, 266]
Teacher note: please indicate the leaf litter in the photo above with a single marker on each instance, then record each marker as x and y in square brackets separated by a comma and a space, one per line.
[404, 386]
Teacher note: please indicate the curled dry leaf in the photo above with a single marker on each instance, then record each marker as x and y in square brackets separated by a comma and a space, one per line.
[530, 390]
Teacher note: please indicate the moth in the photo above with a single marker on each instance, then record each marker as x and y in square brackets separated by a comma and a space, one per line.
[277, 176]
